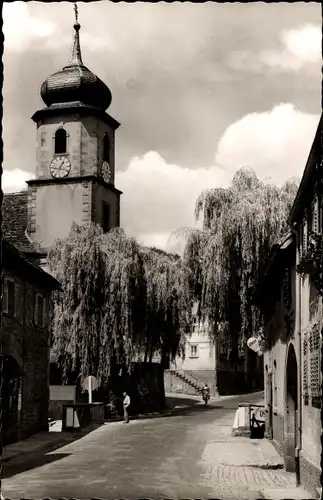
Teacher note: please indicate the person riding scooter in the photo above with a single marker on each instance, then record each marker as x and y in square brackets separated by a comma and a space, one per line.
[206, 393]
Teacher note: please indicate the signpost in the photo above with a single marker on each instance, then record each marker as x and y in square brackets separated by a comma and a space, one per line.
[90, 384]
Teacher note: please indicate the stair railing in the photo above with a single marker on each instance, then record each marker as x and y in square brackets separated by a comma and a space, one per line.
[189, 377]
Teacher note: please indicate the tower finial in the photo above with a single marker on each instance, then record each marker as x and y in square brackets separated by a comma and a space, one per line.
[76, 13]
[76, 58]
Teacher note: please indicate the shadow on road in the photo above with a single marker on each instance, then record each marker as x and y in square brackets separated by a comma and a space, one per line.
[176, 406]
[34, 460]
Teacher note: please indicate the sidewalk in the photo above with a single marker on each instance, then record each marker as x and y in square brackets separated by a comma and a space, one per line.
[249, 464]
[253, 466]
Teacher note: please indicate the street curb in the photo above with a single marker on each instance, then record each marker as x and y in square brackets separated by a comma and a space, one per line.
[266, 466]
[143, 416]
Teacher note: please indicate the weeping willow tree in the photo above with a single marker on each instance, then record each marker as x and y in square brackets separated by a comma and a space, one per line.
[225, 258]
[117, 301]
[169, 304]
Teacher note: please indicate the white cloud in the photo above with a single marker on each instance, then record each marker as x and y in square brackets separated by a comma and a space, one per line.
[15, 180]
[160, 197]
[298, 48]
[21, 28]
[304, 43]
[275, 143]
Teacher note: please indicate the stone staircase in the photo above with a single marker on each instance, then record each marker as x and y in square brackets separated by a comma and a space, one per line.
[188, 379]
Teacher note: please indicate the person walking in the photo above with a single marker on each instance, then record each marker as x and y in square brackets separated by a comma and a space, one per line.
[206, 393]
[126, 404]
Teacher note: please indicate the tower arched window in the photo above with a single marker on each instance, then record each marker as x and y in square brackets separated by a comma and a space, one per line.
[106, 148]
[60, 141]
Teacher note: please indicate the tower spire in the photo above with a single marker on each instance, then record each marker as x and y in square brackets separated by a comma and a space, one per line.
[76, 59]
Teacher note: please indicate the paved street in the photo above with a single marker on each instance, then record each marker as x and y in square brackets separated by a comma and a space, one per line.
[168, 457]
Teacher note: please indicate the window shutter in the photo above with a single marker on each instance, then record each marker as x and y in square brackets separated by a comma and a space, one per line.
[44, 313]
[301, 240]
[315, 361]
[315, 218]
[305, 366]
[36, 310]
[304, 243]
[18, 299]
[10, 297]
[5, 296]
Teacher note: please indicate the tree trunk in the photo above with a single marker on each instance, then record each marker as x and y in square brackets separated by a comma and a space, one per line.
[215, 339]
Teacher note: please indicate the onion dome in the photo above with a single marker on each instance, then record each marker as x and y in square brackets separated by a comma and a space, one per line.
[75, 82]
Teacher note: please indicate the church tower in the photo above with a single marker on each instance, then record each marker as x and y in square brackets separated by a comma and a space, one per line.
[75, 157]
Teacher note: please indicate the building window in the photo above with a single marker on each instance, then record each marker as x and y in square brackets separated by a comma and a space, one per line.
[106, 217]
[195, 322]
[39, 311]
[106, 148]
[193, 351]
[60, 141]
[9, 297]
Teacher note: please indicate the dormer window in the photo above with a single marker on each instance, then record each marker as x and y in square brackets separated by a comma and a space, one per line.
[60, 141]
[106, 148]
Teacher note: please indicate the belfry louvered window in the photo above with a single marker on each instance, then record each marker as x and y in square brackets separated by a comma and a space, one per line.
[60, 142]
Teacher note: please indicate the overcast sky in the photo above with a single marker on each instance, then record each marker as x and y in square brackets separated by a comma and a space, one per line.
[200, 90]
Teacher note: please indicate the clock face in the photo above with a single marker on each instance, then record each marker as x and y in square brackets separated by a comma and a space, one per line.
[106, 172]
[60, 167]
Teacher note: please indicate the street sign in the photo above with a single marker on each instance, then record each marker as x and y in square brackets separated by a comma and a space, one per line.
[90, 384]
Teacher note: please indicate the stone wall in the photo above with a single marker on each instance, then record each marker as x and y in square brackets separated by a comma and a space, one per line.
[310, 475]
[144, 383]
[228, 382]
[278, 429]
[29, 346]
[174, 384]
[145, 386]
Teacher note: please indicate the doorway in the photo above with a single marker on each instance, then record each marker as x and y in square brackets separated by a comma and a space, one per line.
[290, 438]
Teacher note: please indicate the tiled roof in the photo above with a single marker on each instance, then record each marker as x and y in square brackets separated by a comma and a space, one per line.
[14, 221]
[312, 172]
[13, 258]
